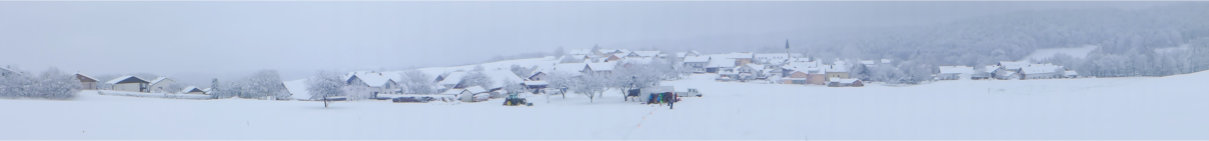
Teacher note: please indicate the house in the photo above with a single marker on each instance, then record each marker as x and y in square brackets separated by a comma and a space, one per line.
[296, 88]
[1070, 74]
[748, 71]
[796, 77]
[716, 65]
[86, 82]
[1041, 71]
[696, 63]
[836, 82]
[501, 79]
[1004, 74]
[468, 94]
[373, 83]
[838, 70]
[982, 73]
[739, 58]
[614, 57]
[536, 86]
[537, 75]
[129, 83]
[162, 85]
[450, 80]
[8, 71]
[1013, 65]
[606, 67]
[954, 72]
[192, 90]
[816, 76]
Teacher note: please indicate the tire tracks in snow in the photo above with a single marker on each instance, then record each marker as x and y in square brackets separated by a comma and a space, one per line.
[643, 120]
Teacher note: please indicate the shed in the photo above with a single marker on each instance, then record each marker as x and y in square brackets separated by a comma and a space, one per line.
[86, 82]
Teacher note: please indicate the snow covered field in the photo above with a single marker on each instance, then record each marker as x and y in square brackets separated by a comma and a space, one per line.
[1171, 107]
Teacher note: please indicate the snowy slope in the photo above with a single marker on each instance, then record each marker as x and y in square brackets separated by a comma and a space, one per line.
[1105, 108]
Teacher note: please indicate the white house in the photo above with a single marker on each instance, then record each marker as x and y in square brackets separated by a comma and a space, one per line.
[129, 83]
[696, 63]
[86, 82]
[373, 83]
[162, 85]
[954, 72]
[1042, 71]
[468, 94]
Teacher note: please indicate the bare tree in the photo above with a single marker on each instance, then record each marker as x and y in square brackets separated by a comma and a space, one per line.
[325, 84]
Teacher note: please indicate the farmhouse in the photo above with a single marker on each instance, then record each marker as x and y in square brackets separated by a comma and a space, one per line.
[1042, 71]
[162, 85]
[86, 82]
[373, 83]
[129, 83]
[696, 63]
[954, 72]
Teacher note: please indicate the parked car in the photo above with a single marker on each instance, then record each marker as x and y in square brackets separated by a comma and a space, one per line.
[411, 99]
[690, 92]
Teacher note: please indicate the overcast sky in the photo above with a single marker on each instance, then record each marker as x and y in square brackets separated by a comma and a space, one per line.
[200, 40]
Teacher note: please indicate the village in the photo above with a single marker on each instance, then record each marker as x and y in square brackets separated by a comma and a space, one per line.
[555, 75]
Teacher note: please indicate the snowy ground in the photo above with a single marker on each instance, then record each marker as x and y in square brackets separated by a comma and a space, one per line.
[1172, 107]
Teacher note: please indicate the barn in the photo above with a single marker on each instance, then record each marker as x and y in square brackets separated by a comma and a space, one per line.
[129, 83]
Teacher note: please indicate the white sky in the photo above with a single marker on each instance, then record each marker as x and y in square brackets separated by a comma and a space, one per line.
[201, 40]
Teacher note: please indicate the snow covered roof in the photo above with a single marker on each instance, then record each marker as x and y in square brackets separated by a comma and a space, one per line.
[501, 78]
[990, 68]
[696, 59]
[127, 79]
[1041, 68]
[606, 66]
[569, 68]
[956, 69]
[453, 78]
[158, 80]
[646, 53]
[531, 83]
[297, 89]
[721, 63]
[1013, 64]
[375, 79]
[1070, 73]
[191, 89]
[476, 89]
[86, 77]
[886, 61]
[753, 66]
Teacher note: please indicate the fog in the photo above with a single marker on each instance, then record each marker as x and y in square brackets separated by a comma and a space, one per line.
[195, 41]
